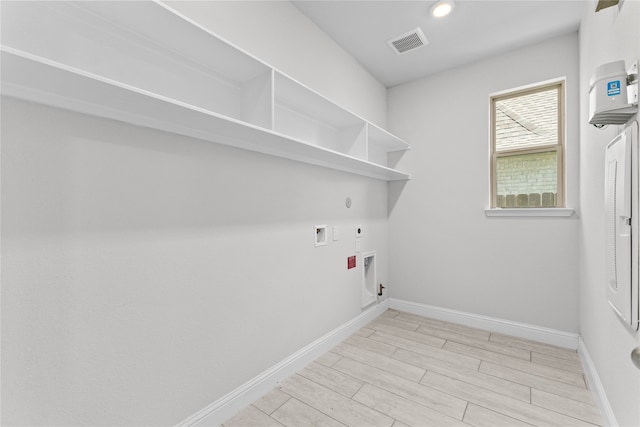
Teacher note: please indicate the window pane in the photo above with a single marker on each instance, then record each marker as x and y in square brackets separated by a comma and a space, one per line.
[527, 180]
[527, 120]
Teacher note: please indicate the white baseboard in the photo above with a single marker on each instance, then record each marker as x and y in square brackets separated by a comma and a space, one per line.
[596, 386]
[507, 327]
[230, 404]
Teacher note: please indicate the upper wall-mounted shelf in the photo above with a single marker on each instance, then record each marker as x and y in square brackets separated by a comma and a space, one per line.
[145, 64]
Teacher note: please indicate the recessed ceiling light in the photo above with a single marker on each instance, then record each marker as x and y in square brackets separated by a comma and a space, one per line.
[442, 8]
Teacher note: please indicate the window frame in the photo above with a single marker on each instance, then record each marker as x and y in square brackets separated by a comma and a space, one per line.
[559, 147]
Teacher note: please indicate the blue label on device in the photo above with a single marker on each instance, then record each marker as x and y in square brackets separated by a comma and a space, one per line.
[613, 88]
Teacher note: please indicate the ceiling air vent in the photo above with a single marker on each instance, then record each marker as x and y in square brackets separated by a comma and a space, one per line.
[408, 41]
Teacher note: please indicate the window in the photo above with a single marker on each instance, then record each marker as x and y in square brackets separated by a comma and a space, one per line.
[527, 148]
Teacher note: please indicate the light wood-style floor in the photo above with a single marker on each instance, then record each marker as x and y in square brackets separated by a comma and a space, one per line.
[406, 370]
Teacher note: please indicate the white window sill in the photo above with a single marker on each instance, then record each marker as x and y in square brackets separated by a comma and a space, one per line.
[530, 212]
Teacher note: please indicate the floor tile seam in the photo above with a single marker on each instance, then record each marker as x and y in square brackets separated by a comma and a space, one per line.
[520, 370]
[578, 363]
[470, 336]
[465, 411]
[513, 381]
[484, 349]
[375, 409]
[364, 383]
[457, 367]
[472, 333]
[498, 407]
[530, 350]
[445, 331]
[312, 405]
[540, 376]
[319, 410]
[268, 415]
[350, 375]
[452, 326]
[503, 414]
[413, 402]
[375, 328]
[550, 347]
[495, 352]
[336, 361]
[431, 322]
[444, 374]
[536, 388]
[392, 360]
[279, 406]
[360, 333]
[336, 391]
[394, 393]
[381, 320]
[593, 403]
[416, 342]
[553, 379]
[396, 348]
[566, 415]
[320, 385]
[455, 353]
[529, 373]
[574, 358]
[560, 369]
[467, 400]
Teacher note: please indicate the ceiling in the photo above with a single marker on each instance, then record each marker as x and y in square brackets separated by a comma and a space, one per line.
[475, 29]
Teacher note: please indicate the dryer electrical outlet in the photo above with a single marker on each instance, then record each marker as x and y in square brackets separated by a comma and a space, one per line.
[621, 216]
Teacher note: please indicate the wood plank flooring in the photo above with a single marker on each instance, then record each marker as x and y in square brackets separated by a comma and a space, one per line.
[406, 370]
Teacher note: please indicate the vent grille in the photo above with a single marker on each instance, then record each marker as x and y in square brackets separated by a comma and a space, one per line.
[408, 41]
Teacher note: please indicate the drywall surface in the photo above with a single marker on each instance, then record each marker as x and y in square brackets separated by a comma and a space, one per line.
[146, 275]
[444, 250]
[609, 35]
[279, 34]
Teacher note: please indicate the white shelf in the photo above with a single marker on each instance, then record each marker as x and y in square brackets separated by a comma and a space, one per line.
[306, 115]
[381, 143]
[145, 64]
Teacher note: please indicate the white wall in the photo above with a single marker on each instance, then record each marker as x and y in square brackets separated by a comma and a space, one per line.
[444, 250]
[146, 275]
[314, 59]
[609, 35]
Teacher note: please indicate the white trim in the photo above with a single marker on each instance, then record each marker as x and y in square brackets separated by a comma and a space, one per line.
[530, 212]
[549, 82]
[230, 404]
[593, 381]
[507, 327]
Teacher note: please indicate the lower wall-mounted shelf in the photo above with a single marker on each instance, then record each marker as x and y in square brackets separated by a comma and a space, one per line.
[35, 79]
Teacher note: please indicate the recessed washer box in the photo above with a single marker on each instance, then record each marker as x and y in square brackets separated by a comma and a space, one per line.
[320, 235]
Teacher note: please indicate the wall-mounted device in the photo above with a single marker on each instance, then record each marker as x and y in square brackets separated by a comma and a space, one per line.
[613, 94]
[621, 216]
